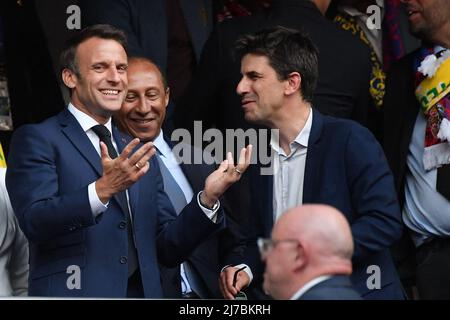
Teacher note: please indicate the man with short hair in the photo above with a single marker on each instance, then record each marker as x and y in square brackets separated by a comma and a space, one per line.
[309, 255]
[317, 159]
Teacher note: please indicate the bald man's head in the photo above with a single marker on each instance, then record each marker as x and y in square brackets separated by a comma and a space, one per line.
[320, 227]
[307, 242]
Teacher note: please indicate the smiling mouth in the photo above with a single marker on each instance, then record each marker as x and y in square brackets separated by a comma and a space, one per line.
[110, 92]
[412, 12]
[142, 121]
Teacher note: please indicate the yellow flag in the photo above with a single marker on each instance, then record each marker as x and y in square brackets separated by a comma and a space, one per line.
[2, 158]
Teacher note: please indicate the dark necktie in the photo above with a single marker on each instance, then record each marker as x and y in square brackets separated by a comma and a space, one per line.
[443, 181]
[105, 136]
[178, 200]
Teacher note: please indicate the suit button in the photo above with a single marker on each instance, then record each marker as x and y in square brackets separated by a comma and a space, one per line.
[122, 225]
[123, 259]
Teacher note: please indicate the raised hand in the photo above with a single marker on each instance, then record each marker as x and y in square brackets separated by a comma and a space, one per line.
[227, 174]
[120, 173]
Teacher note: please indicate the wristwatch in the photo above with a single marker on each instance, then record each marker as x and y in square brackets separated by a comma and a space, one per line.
[214, 207]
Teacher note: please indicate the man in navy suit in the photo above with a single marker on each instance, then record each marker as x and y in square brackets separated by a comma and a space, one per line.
[309, 255]
[142, 115]
[316, 159]
[95, 212]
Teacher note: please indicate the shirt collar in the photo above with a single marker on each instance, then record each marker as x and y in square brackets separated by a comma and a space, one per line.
[161, 145]
[301, 139]
[308, 286]
[353, 12]
[85, 120]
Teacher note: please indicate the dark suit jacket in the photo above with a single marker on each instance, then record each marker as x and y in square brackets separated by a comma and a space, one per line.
[345, 168]
[335, 288]
[51, 165]
[215, 252]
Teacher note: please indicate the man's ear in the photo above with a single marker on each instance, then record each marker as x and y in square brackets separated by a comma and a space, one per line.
[301, 258]
[167, 97]
[293, 83]
[69, 78]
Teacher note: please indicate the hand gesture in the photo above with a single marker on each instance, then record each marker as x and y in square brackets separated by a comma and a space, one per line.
[120, 173]
[227, 174]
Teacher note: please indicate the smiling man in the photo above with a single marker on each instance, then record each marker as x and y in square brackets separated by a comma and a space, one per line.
[89, 199]
[142, 115]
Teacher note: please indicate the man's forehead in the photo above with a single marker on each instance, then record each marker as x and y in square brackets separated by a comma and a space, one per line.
[98, 49]
[254, 63]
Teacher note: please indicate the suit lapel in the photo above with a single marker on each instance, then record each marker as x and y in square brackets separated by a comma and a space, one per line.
[74, 132]
[133, 192]
[313, 157]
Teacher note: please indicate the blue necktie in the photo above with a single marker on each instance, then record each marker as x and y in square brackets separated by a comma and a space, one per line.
[105, 136]
[178, 200]
[172, 188]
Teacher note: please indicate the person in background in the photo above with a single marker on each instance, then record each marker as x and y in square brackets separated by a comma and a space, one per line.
[142, 115]
[309, 256]
[416, 143]
[316, 159]
[13, 248]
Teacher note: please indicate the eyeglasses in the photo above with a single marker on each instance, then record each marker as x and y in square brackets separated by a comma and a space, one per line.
[266, 245]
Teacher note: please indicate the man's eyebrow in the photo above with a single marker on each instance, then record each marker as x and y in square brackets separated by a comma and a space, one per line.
[253, 74]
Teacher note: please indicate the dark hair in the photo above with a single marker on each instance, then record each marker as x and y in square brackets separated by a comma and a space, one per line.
[287, 51]
[148, 60]
[102, 31]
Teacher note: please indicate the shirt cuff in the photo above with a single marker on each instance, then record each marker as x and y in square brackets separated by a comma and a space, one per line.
[97, 207]
[247, 270]
[211, 214]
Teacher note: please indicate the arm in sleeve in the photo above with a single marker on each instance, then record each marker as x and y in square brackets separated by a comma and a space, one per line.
[376, 223]
[32, 182]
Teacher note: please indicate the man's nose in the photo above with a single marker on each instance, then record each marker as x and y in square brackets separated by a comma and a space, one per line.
[144, 106]
[113, 75]
[242, 87]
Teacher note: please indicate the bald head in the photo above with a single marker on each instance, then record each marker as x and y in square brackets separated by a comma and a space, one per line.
[323, 228]
[307, 242]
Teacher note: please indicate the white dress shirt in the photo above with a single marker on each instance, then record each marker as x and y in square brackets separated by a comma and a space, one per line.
[308, 286]
[290, 171]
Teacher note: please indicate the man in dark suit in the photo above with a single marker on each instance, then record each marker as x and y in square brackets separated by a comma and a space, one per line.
[342, 90]
[142, 115]
[418, 150]
[309, 255]
[316, 159]
[98, 226]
